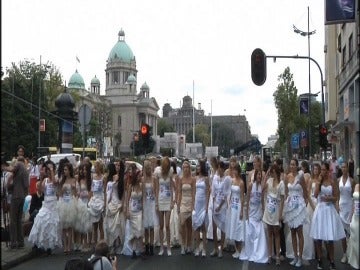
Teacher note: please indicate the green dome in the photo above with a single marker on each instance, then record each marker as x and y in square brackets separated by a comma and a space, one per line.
[144, 86]
[95, 80]
[131, 79]
[121, 50]
[76, 81]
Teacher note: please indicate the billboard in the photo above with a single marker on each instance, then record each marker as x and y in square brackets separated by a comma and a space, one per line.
[339, 11]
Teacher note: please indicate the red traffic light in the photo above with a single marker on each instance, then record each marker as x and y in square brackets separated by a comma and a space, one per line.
[323, 130]
[144, 129]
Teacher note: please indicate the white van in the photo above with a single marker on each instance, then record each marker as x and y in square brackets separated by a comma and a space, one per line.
[57, 157]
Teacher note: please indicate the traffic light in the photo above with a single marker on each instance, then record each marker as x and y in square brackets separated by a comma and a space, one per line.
[323, 136]
[145, 134]
[258, 67]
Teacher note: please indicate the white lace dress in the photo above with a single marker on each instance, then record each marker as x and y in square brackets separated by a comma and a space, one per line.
[199, 214]
[326, 224]
[46, 231]
[345, 202]
[255, 246]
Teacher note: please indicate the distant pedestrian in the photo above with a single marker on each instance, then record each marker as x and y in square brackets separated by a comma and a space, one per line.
[20, 185]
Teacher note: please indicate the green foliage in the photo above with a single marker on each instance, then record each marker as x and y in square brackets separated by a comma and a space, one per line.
[163, 126]
[289, 119]
[22, 89]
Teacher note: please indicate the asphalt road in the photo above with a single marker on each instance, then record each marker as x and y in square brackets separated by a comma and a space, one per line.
[176, 262]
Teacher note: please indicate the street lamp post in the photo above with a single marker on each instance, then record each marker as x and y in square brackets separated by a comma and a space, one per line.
[308, 34]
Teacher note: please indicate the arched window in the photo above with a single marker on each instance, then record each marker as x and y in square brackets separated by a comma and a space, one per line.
[119, 121]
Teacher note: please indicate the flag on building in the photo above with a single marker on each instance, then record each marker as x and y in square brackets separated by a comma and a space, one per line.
[77, 59]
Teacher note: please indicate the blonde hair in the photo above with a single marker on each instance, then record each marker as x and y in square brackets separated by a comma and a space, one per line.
[165, 166]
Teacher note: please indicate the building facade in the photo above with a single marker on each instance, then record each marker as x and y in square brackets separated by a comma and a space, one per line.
[130, 108]
[123, 108]
[342, 93]
[182, 120]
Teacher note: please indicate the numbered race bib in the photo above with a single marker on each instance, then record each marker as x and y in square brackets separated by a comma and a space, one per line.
[50, 190]
[257, 197]
[136, 205]
[165, 191]
[235, 203]
[66, 198]
[357, 208]
[150, 195]
[97, 186]
[271, 204]
[294, 201]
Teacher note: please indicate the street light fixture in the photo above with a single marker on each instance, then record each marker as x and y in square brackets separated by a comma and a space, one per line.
[307, 34]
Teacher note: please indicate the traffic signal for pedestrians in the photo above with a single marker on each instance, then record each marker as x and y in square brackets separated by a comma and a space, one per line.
[258, 67]
[323, 132]
[145, 134]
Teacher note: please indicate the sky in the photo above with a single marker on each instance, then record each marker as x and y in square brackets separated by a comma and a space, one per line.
[198, 48]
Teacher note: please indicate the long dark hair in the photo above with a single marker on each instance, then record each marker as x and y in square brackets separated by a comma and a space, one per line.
[121, 184]
[327, 166]
[203, 170]
[86, 176]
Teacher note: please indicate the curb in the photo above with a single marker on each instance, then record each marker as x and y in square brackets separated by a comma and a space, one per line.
[18, 260]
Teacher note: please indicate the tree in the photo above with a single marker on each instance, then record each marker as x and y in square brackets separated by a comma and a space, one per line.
[163, 126]
[202, 135]
[23, 88]
[286, 100]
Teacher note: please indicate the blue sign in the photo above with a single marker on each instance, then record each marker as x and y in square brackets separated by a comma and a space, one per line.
[295, 140]
[303, 138]
[304, 106]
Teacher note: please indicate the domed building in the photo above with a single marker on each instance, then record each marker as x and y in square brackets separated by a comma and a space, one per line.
[130, 108]
[100, 109]
[120, 112]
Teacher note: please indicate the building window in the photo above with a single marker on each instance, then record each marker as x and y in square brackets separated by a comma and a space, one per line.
[119, 121]
[343, 57]
[350, 46]
[115, 77]
[125, 76]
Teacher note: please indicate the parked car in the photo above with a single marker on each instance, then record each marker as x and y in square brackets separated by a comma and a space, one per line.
[57, 157]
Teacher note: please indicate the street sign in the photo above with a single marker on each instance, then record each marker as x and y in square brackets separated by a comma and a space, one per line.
[303, 138]
[295, 138]
[84, 115]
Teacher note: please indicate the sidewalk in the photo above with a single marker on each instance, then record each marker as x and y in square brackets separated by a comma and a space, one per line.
[13, 257]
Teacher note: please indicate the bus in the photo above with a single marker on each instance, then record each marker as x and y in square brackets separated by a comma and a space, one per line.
[90, 152]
